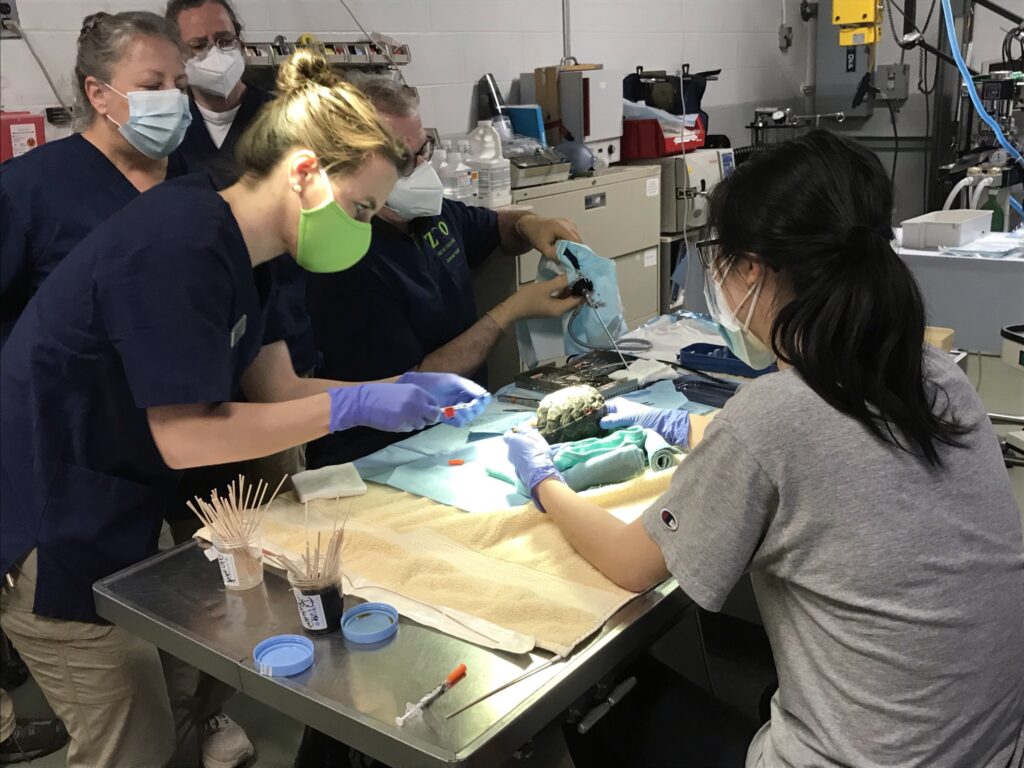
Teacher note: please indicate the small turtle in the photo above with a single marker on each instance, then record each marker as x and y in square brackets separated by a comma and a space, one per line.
[571, 414]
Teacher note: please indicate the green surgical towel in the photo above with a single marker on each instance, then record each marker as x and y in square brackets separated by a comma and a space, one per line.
[616, 466]
[660, 455]
[583, 450]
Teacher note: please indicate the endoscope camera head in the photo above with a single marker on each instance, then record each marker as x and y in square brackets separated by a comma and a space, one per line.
[581, 287]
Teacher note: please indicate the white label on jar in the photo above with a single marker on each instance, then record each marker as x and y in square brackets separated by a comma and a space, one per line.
[211, 553]
[227, 569]
[311, 610]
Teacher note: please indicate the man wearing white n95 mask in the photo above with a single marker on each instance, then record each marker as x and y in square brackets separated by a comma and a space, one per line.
[221, 104]
[409, 304]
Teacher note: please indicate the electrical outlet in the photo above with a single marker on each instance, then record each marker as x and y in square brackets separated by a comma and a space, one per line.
[892, 82]
[8, 10]
[785, 37]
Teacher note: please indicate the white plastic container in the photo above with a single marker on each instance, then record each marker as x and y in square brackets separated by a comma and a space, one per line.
[463, 146]
[442, 164]
[455, 178]
[440, 153]
[945, 228]
[492, 171]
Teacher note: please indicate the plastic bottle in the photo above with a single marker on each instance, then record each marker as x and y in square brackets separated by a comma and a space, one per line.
[440, 153]
[442, 163]
[493, 171]
[462, 147]
[455, 178]
[992, 204]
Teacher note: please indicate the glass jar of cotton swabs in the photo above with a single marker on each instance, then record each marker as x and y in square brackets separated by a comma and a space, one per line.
[316, 583]
[240, 559]
[233, 527]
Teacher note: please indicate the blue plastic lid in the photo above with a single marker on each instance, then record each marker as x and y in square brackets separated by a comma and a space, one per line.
[283, 655]
[369, 623]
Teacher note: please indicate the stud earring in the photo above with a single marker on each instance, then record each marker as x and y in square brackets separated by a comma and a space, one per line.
[296, 187]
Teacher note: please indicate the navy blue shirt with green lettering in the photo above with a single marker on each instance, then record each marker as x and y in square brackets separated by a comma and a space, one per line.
[411, 294]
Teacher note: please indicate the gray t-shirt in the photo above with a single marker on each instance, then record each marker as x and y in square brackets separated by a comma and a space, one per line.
[892, 593]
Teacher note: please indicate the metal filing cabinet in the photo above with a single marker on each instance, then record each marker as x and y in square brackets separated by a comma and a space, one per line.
[618, 214]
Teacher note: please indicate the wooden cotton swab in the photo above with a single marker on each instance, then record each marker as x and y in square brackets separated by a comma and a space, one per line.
[274, 494]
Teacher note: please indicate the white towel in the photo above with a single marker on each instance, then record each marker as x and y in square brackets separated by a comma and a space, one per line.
[645, 372]
[328, 483]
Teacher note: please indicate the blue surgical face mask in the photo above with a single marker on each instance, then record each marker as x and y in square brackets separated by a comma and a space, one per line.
[741, 342]
[157, 120]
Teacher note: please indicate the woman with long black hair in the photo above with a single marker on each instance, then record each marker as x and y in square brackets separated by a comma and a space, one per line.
[861, 487]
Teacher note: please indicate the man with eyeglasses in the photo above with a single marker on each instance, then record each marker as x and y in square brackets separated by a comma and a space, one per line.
[222, 105]
[409, 304]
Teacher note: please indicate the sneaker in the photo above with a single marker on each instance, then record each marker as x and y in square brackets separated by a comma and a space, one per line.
[32, 739]
[224, 743]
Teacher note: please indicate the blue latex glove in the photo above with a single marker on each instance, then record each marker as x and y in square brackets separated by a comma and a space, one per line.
[674, 426]
[390, 407]
[530, 454]
[449, 389]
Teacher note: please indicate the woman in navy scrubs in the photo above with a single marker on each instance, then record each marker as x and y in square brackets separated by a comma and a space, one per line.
[125, 367]
[129, 66]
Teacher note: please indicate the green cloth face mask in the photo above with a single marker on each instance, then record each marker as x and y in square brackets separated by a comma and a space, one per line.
[329, 239]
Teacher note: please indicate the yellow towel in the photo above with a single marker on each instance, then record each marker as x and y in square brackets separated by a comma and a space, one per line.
[505, 579]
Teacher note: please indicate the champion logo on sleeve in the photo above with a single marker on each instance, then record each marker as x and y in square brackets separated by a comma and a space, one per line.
[669, 520]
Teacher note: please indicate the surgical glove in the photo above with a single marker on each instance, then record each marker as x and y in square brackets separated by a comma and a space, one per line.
[448, 389]
[389, 407]
[674, 426]
[530, 454]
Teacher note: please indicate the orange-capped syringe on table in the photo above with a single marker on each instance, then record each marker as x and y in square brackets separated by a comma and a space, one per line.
[412, 710]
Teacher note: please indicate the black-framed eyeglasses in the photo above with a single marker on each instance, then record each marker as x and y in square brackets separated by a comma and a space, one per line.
[201, 45]
[708, 252]
[425, 152]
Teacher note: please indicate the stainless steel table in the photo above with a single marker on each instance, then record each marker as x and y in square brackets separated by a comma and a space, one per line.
[176, 601]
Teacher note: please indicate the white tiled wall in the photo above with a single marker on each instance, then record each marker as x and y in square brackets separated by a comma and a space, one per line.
[455, 42]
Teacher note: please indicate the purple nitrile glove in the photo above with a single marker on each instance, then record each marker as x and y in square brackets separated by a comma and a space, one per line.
[449, 389]
[674, 426]
[389, 407]
[530, 454]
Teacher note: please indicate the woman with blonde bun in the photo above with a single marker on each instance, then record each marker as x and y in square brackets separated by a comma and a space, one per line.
[126, 368]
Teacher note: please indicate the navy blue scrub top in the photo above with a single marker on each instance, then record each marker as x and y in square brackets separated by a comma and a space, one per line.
[201, 153]
[50, 198]
[159, 305]
[198, 148]
[410, 295]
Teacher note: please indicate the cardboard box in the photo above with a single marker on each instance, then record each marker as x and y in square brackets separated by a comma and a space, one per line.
[942, 338]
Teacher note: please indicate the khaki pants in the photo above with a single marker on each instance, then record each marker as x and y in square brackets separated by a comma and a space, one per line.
[122, 701]
[7, 719]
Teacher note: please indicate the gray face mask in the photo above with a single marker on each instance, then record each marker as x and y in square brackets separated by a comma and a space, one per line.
[418, 194]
